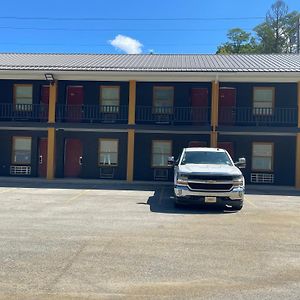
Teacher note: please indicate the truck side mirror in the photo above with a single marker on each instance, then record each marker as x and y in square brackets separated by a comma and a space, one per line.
[171, 161]
[241, 163]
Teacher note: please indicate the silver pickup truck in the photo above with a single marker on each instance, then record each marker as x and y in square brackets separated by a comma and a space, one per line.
[208, 175]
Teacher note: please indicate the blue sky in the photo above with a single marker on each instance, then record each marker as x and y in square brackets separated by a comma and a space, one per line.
[77, 32]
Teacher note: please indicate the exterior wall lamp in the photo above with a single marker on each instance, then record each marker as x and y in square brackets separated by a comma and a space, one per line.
[49, 77]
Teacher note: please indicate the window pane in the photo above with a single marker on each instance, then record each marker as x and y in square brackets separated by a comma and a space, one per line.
[23, 95]
[108, 158]
[161, 151]
[108, 152]
[163, 97]
[263, 95]
[22, 150]
[23, 101]
[108, 146]
[22, 144]
[262, 163]
[262, 150]
[22, 157]
[163, 103]
[160, 160]
[110, 102]
[163, 93]
[23, 91]
[110, 92]
[161, 147]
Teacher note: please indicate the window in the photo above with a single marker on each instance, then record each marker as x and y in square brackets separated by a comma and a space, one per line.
[263, 100]
[108, 152]
[23, 97]
[163, 98]
[262, 156]
[21, 153]
[161, 150]
[110, 99]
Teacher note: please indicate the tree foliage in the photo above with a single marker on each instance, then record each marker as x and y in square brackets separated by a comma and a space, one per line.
[277, 34]
[240, 41]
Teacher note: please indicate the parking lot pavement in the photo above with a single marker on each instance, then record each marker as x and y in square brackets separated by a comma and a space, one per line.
[61, 242]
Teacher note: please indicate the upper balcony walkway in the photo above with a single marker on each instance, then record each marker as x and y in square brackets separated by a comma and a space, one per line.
[200, 116]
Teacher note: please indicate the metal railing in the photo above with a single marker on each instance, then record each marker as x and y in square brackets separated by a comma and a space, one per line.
[173, 115]
[23, 112]
[238, 116]
[91, 113]
[250, 116]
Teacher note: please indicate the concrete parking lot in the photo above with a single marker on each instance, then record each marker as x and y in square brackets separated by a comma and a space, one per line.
[84, 241]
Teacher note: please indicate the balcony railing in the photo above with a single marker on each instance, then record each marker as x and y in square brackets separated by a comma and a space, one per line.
[23, 112]
[249, 116]
[238, 116]
[92, 113]
[173, 115]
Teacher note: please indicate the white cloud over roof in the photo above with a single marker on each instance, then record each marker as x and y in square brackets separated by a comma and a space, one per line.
[127, 44]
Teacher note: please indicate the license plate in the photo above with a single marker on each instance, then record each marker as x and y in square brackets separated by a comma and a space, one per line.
[210, 199]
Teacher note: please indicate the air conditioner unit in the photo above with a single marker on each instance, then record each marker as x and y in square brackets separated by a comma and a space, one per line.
[262, 178]
[163, 119]
[107, 172]
[161, 174]
[20, 170]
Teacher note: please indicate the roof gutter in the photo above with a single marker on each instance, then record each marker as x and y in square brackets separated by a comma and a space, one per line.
[153, 76]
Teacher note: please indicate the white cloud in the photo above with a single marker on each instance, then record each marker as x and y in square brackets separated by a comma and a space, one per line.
[127, 44]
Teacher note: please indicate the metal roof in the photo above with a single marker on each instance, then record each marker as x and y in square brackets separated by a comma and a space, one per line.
[151, 62]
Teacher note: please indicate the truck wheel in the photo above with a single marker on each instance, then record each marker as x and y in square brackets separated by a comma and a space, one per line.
[238, 206]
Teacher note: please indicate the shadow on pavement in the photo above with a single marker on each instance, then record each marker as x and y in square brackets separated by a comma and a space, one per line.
[102, 184]
[78, 185]
[163, 202]
[272, 190]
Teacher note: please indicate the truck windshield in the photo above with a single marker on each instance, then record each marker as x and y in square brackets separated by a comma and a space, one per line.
[201, 157]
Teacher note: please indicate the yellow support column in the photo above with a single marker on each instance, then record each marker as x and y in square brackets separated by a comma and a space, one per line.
[52, 101]
[131, 132]
[297, 161]
[130, 154]
[132, 101]
[51, 154]
[214, 113]
[51, 131]
[213, 139]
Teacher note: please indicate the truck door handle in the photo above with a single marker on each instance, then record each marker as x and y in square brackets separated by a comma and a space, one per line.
[80, 160]
[41, 159]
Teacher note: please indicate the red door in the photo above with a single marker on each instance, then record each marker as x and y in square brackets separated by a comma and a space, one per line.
[44, 102]
[199, 97]
[43, 144]
[74, 103]
[228, 146]
[73, 158]
[227, 103]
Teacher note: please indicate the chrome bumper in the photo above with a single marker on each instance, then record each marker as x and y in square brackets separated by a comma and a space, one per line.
[234, 194]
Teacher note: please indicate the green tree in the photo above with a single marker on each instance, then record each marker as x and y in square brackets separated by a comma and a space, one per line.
[277, 34]
[240, 41]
